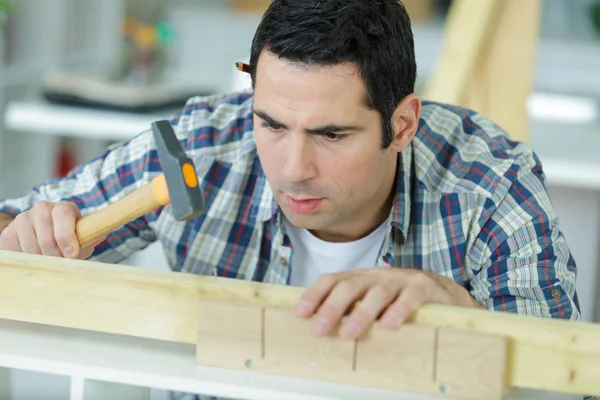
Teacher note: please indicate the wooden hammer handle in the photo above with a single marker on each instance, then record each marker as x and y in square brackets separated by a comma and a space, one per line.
[92, 228]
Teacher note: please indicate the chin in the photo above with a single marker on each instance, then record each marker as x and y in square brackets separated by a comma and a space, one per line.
[310, 222]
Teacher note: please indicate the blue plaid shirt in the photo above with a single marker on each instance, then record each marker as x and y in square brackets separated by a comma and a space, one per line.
[470, 205]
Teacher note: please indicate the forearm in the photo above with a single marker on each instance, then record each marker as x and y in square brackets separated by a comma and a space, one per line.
[5, 219]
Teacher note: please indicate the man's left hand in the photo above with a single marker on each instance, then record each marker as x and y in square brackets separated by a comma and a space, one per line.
[390, 294]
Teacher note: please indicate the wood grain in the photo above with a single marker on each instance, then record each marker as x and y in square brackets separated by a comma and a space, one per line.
[471, 365]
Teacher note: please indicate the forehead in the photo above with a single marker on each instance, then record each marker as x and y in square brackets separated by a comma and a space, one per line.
[283, 81]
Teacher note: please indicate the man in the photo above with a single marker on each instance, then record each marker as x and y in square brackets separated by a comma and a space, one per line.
[335, 176]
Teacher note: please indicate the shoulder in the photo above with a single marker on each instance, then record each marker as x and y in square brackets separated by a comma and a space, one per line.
[459, 150]
[217, 133]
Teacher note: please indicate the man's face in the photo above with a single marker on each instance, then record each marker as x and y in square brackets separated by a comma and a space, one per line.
[321, 147]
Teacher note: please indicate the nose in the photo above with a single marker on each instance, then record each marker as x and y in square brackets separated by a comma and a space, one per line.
[299, 163]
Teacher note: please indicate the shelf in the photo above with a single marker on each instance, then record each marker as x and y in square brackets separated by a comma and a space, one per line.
[572, 174]
[43, 118]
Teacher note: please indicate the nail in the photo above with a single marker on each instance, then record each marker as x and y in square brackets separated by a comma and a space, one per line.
[303, 307]
[69, 252]
[350, 330]
[320, 325]
[390, 321]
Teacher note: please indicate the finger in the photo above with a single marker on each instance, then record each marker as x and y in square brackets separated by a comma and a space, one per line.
[405, 305]
[44, 230]
[314, 295]
[9, 240]
[343, 294]
[362, 317]
[26, 236]
[410, 299]
[65, 216]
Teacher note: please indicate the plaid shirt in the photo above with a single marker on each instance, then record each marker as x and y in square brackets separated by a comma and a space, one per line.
[470, 205]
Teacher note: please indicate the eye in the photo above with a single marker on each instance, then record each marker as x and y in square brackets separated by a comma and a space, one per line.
[271, 127]
[332, 137]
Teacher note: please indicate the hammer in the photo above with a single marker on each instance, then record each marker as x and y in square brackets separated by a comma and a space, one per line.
[177, 185]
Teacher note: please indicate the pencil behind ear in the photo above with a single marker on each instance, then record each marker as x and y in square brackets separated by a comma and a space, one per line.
[242, 67]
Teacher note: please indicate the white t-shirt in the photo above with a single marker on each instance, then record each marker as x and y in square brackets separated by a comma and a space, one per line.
[312, 257]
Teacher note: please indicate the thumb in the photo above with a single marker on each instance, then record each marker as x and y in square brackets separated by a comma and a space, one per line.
[64, 216]
[89, 250]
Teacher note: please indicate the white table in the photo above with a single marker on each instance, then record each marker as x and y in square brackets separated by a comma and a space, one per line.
[101, 361]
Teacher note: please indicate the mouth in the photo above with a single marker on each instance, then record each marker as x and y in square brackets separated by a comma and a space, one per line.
[299, 199]
[303, 206]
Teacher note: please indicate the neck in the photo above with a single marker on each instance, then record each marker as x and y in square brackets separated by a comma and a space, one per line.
[339, 237]
[371, 219]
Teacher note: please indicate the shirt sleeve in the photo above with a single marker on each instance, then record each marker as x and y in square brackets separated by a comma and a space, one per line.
[120, 170]
[524, 262]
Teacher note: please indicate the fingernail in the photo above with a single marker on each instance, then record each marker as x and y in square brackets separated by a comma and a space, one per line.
[350, 330]
[390, 321]
[303, 307]
[320, 325]
[69, 252]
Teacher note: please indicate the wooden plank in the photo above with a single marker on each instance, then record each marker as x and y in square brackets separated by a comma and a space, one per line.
[243, 336]
[118, 299]
[471, 366]
[411, 359]
[545, 354]
[398, 360]
[503, 79]
[229, 334]
[420, 10]
[469, 25]
[289, 349]
[487, 63]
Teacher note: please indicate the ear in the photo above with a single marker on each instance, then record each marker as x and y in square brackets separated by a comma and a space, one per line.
[405, 122]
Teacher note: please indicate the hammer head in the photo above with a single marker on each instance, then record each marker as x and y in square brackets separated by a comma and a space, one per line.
[182, 183]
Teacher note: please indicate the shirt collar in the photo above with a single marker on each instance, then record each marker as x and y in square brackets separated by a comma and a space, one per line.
[268, 206]
[400, 213]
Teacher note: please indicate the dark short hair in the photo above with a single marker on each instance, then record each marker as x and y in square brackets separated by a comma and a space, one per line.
[375, 34]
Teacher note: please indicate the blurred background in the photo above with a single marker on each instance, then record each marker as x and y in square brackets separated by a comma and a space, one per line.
[78, 75]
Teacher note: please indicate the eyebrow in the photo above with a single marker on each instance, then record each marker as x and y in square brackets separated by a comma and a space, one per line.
[321, 130]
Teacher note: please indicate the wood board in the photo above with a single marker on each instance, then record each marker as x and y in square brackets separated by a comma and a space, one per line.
[544, 354]
[488, 60]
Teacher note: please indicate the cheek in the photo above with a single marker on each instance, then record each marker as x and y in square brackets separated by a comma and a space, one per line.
[353, 174]
[362, 173]
[268, 154]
